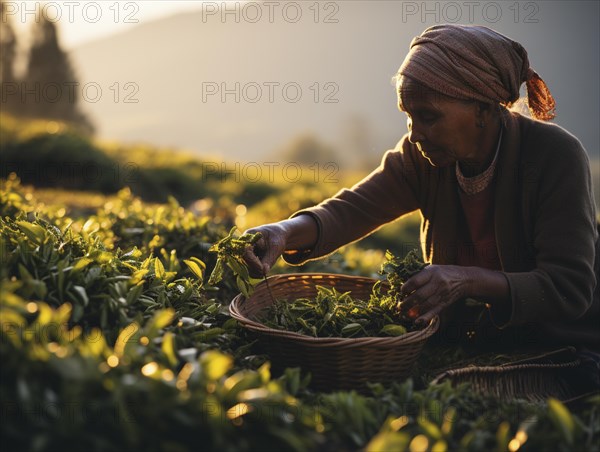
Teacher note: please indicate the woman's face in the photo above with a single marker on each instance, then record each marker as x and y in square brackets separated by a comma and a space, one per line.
[444, 129]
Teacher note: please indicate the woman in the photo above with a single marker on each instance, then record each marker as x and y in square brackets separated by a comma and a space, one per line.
[508, 215]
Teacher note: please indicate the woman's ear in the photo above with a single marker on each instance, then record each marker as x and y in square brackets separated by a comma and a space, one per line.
[483, 110]
[485, 114]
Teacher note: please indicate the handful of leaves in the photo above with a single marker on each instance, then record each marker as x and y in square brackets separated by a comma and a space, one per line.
[335, 314]
[230, 253]
[397, 271]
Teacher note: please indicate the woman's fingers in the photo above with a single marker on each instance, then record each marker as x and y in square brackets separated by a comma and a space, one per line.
[418, 297]
[265, 252]
[433, 303]
[416, 281]
[255, 267]
[417, 289]
[424, 319]
[430, 291]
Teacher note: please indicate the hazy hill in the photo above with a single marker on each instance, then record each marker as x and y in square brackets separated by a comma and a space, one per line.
[169, 60]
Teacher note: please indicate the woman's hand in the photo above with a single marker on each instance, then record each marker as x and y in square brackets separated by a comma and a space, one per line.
[267, 249]
[433, 289]
[298, 233]
[436, 287]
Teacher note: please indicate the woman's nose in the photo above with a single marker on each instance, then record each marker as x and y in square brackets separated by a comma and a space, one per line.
[414, 134]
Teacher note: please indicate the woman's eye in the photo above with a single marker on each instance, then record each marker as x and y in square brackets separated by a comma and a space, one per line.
[422, 118]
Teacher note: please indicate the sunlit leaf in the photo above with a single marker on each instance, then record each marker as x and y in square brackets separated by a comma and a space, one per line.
[449, 420]
[393, 330]
[34, 232]
[10, 299]
[431, 429]
[135, 253]
[215, 364]
[562, 418]
[169, 276]
[81, 264]
[439, 446]
[388, 441]
[265, 372]
[162, 318]
[94, 344]
[243, 286]
[168, 348]
[44, 314]
[241, 381]
[138, 276]
[62, 314]
[195, 269]
[101, 257]
[217, 274]
[159, 269]
[199, 262]
[503, 436]
[126, 336]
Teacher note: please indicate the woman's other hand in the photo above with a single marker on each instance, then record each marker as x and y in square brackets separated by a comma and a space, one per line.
[432, 290]
[436, 287]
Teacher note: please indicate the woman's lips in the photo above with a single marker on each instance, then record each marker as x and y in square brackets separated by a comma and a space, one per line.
[436, 157]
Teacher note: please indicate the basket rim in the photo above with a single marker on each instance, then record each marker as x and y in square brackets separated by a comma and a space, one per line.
[383, 341]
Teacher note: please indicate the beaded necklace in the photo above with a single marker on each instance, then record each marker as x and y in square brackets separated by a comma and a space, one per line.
[476, 184]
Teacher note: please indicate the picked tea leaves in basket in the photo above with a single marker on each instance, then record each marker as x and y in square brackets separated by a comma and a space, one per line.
[335, 363]
[345, 330]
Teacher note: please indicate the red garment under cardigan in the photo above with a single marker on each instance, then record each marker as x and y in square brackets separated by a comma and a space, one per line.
[477, 238]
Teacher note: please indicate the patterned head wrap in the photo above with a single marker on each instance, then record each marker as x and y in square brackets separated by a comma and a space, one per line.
[476, 63]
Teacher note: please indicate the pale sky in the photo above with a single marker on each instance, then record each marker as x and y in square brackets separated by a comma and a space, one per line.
[83, 21]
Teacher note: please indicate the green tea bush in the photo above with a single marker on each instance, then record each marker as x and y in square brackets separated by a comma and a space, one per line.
[111, 339]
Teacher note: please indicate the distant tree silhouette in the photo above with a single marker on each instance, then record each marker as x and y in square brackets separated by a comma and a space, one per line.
[307, 149]
[49, 88]
[51, 80]
[8, 51]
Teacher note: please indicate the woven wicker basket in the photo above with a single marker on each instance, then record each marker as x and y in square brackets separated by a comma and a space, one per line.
[534, 378]
[335, 363]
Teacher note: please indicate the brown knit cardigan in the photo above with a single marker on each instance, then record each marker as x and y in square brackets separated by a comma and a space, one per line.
[545, 223]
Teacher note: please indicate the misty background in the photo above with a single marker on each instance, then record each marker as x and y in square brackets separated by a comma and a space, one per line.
[343, 69]
[249, 81]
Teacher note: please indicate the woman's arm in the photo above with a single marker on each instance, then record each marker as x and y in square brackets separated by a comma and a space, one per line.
[388, 192]
[395, 188]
